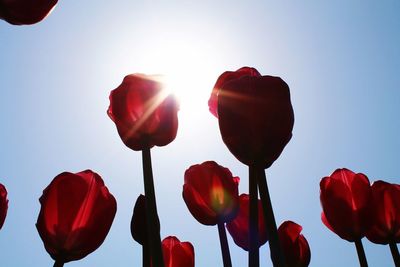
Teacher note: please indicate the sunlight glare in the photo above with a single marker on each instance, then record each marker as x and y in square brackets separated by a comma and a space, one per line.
[188, 72]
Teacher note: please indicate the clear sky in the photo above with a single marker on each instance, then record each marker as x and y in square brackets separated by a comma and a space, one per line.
[341, 60]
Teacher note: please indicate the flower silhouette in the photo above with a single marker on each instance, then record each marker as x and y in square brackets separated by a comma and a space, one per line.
[255, 115]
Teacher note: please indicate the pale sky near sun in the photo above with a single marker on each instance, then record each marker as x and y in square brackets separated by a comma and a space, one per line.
[341, 60]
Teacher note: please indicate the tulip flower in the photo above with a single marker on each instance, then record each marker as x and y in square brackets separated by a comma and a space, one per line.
[211, 193]
[176, 253]
[3, 204]
[212, 197]
[345, 198]
[145, 115]
[25, 12]
[239, 227]
[255, 115]
[256, 118]
[76, 214]
[295, 246]
[385, 207]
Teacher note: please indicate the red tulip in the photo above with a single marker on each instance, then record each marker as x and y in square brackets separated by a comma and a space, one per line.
[76, 214]
[255, 115]
[20, 12]
[144, 114]
[211, 193]
[239, 227]
[386, 213]
[3, 204]
[345, 199]
[295, 246]
[176, 253]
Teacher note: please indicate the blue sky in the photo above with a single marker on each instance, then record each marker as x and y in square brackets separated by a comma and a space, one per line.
[341, 60]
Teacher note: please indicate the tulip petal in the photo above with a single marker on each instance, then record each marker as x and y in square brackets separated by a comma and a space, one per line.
[199, 209]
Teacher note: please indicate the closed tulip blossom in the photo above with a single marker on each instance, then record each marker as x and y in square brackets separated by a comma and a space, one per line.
[177, 253]
[295, 246]
[255, 115]
[76, 214]
[346, 198]
[385, 207]
[386, 213]
[211, 193]
[25, 12]
[3, 204]
[239, 227]
[145, 115]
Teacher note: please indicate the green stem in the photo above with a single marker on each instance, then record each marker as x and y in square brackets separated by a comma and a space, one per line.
[58, 264]
[226, 256]
[395, 253]
[277, 255]
[254, 254]
[361, 253]
[151, 211]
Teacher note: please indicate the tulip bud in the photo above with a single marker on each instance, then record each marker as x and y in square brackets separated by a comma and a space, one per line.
[139, 222]
[76, 214]
[145, 115]
[345, 198]
[176, 253]
[255, 115]
[295, 246]
[385, 207]
[211, 193]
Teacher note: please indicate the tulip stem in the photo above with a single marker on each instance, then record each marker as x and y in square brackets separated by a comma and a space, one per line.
[226, 256]
[275, 247]
[254, 254]
[395, 253]
[146, 255]
[58, 264]
[151, 211]
[361, 253]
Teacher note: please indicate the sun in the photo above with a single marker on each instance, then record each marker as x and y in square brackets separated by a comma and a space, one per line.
[188, 71]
